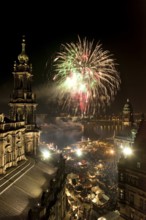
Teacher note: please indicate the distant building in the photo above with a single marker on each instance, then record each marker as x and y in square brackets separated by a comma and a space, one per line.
[128, 114]
[19, 134]
[126, 136]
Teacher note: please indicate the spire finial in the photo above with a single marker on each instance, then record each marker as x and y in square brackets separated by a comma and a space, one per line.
[23, 44]
[23, 58]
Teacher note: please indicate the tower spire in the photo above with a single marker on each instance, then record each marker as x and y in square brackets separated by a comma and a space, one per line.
[22, 57]
[23, 100]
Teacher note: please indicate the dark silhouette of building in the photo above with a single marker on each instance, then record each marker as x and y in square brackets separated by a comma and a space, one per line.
[132, 178]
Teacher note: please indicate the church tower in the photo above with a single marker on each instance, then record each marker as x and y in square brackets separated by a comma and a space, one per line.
[23, 100]
[128, 114]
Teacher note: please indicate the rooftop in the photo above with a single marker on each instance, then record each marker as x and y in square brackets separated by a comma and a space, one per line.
[18, 195]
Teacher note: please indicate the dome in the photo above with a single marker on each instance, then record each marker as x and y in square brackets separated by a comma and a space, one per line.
[22, 57]
[127, 107]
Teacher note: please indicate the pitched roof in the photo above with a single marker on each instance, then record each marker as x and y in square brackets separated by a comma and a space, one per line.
[24, 192]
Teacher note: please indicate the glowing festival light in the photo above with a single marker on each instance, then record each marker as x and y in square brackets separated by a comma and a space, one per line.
[86, 76]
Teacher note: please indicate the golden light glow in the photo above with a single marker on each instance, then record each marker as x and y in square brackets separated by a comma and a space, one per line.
[127, 151]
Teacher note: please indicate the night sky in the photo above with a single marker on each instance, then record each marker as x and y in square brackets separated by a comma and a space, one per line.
[120, 26]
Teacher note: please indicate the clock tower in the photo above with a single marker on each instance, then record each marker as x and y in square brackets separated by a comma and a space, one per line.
[23, 100]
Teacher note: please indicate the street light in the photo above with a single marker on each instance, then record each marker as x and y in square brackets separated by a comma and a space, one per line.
[127, 151]
[46, 154]
[112, 152]
[79, 152]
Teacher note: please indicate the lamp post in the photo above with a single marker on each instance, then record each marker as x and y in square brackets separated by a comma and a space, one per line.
[127, 151]
[46, 154]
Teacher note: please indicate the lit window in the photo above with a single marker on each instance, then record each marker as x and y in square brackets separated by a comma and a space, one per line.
[121, 176]
[138, 164]
[132, 215]
[121, 194]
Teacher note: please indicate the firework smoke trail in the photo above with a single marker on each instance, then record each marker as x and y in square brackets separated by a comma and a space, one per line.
[86, 76]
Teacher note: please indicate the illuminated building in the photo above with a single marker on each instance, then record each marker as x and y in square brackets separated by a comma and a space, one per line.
[125, 137]
[19, 134]
[11, 142]
[19, 138]
[132, 179]
[128, 114]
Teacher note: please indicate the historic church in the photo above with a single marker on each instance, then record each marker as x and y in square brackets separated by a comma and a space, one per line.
[19, 134]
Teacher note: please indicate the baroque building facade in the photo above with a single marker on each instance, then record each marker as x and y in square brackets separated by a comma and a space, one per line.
[12, 142]
[132, 179]
[19, 134]
[131, 167]
[19, 138]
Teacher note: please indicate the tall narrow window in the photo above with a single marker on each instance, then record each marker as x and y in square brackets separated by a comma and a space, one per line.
[131, 199]
[122, 196]
[138, 165]
[121, 177]
[141, 203]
